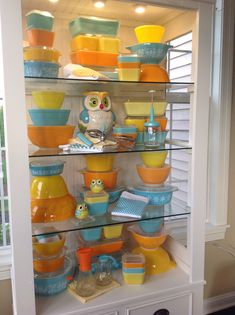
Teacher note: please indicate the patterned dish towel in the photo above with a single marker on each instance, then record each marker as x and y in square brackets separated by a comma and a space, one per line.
[130, 205]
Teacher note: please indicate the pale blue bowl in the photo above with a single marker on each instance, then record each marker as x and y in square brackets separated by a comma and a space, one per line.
[91, 235]
[49, 117]
[98, 208]
[42, 168]
[157, 196]
[48, 284]
[151, 226]
[150, 53]
[41, 69]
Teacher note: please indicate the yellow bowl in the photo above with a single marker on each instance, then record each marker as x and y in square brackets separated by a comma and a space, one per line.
[47, 187]
[48, 99]
[113, 231]
[41, 53]
[149, 33]
[50, 248]
[138, 122]
[154, 159]
[156, 261]
[100, 162]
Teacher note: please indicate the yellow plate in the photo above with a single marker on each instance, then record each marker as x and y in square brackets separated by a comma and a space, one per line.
[47, 187]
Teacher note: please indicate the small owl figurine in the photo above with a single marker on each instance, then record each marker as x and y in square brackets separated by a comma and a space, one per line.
[96, 186]
[97, 112]
[81, 211]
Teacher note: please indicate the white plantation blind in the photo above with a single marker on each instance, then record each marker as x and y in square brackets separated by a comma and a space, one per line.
[179, 66]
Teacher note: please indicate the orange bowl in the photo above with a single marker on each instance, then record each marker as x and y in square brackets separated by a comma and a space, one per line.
[52, 210]
[109, 178]
[48, 264]
[39, 37]
[153, 175]
[148, 242]
[50, 136]
[106, 248]
[153, 73]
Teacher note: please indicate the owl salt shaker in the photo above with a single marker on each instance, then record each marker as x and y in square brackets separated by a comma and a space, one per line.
[97, 113]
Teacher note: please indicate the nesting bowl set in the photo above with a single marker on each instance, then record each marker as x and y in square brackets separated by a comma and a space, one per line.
[40, 58]
[49, 129]
[98, 49]
[151, 53]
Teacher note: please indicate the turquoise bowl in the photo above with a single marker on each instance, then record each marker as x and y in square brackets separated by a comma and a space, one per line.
[150, 53]
[91, 235]
[48, 284]
[94, 26]
[39, 20]
[41, 69]
[155, 216]
[49, 117]
[46, 168]
[157, 196]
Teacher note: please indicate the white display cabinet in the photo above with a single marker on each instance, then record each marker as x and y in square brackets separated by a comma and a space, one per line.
[179, 291]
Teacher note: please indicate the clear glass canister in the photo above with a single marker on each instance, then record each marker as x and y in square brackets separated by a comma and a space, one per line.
[151, 131]
[104, 271]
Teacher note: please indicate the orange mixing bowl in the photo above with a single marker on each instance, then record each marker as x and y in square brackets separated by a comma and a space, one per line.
[109, 178]
[153, 175]
[52, 210]
[148, 242]
[49, 264]
[153, 73]
[50, 136]
[106, 248]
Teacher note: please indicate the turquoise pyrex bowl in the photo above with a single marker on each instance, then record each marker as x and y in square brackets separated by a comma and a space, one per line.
[39, 19]
[158, 195]
[49, 117]
[150, 53]
[91, 235]
[154, 224]
[41, 69]
[53, 283]
[94, 26]
[46, 168]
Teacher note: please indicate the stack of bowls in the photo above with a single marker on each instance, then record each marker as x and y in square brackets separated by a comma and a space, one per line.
[153, 170]
[98, 49]
[40, 59]
[151, 52]
[50, 198]
[52, 268]
[138, 114]
[49, 129]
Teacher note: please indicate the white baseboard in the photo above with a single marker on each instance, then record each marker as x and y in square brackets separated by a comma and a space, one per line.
[219, 302]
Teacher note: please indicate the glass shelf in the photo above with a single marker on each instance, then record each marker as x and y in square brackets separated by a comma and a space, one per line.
[175, 92]
[37, 152]
[171, 210]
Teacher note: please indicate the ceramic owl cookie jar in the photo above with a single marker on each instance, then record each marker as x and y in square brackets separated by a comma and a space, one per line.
[97, 113]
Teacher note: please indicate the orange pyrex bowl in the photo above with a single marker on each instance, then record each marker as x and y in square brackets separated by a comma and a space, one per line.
[49, 264]
[39, 37]
[49, 248]
[147, 241]
[109, 178]
[53, 210]
[153, 73]
[153, 175]
[50, 136]
[94, 58]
